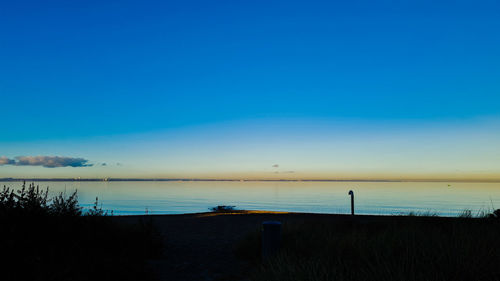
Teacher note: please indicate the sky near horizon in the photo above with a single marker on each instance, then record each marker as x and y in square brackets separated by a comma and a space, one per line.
[250, 89]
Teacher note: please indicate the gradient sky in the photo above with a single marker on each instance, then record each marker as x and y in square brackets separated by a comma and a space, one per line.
[252, 89]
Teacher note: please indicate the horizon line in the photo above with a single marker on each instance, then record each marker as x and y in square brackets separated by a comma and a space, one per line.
[10, 179]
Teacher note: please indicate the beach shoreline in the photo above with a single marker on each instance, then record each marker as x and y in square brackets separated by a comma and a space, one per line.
[201, 246]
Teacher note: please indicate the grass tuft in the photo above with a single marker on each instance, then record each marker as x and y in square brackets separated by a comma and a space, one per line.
[396, 248]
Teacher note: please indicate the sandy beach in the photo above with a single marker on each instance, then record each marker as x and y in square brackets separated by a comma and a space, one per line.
[201, 246]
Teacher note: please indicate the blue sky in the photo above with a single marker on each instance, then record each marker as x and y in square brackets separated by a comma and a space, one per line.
[161, 80]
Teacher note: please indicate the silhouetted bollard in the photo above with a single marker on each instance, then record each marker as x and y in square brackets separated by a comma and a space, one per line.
[352, 201]
[271, 238]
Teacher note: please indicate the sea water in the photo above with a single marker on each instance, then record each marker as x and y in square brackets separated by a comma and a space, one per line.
[380, 198]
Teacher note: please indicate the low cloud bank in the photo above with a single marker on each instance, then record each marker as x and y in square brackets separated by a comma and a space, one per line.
[45, 161]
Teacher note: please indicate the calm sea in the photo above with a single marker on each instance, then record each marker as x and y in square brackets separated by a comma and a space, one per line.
[445, 199]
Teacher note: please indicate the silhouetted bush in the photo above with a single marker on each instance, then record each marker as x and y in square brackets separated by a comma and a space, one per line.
[52, 239]
[34, 201]
[495, 214]
[65, 206]
[30, 200]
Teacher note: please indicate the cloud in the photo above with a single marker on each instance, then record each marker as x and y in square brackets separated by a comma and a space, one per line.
[6, 161]
[45, 161]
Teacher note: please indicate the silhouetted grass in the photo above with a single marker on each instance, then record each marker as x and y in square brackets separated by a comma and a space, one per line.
[52, 239]
[391, 248]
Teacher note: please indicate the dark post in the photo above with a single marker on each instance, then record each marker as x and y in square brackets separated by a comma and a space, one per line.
[271, 238]
[352, 201]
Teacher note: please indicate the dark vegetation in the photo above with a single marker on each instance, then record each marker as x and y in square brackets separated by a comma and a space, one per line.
[391, 248]
[223, 209]
[46, 238]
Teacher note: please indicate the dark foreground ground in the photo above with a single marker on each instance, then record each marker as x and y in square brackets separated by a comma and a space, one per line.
[52, 239]
[225, 246]
[202, 246]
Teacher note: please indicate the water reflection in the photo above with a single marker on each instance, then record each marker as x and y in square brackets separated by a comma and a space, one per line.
[320, 197]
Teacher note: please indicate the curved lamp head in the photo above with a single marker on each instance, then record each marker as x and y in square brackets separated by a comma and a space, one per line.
[351, 192]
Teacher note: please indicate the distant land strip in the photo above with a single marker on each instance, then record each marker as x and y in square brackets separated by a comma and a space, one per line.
[241, 180]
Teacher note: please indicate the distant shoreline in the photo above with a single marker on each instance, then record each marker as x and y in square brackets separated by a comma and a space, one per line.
[238, 180]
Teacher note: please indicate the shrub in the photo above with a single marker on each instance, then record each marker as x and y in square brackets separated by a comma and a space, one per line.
[495, 214]
[51, 239]
[28, 200]
[66, 206]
